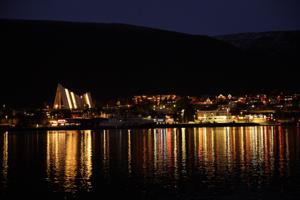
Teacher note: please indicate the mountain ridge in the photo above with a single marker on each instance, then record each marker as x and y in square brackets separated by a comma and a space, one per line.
[120, 60]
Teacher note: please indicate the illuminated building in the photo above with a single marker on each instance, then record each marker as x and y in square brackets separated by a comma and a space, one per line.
[66, 99]
[156, 99]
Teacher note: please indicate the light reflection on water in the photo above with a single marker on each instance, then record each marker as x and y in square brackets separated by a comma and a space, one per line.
[71, 161]
[4, 159]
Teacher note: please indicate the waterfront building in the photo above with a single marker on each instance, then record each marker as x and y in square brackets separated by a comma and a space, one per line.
[66, 99]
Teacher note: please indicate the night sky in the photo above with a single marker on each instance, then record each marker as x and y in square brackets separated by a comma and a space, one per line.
[212, 17]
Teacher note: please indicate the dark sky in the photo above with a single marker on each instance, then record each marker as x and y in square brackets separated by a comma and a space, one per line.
[210, 17]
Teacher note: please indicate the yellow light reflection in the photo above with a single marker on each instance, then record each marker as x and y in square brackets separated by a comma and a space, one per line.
[175, 140]
[155, 152]
[212, 150]
[5, 156]
[183, 150]
[129, 150]
[86, 157]
[69, 159]
[105, 151]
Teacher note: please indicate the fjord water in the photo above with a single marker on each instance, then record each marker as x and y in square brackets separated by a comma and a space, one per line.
[181, 163]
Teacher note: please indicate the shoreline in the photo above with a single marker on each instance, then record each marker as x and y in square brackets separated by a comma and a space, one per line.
[145, 126]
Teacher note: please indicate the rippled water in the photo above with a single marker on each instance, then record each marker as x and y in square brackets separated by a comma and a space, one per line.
[187, 163]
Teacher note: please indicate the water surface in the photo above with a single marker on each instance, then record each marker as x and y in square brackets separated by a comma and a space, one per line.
[185, 163]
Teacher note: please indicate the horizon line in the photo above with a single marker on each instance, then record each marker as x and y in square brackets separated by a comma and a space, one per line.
[143, 26]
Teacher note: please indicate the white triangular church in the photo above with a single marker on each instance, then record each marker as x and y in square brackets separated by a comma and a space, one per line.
[66, 99]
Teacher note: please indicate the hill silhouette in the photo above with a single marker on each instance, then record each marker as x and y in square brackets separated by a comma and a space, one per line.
[113, 60]
[281, 45]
